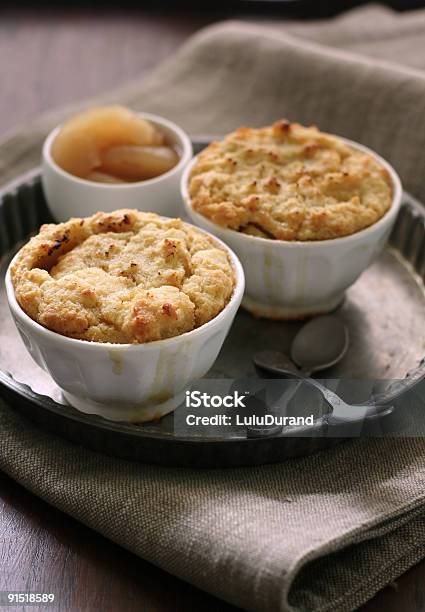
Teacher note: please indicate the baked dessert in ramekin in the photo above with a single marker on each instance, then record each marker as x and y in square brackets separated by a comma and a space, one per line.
[305, 211]
[124, 309]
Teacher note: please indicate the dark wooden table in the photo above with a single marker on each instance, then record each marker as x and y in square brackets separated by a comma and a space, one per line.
[48, 59]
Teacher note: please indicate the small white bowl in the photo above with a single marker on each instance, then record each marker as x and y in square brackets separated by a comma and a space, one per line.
[294, 279]
[127, 382]
[70, 196]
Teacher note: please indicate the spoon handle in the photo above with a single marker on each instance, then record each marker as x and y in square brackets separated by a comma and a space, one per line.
[348, 419]
[342, 417]
[330, 397]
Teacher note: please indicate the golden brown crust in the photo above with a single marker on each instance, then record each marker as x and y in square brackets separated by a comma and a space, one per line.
[289, 182]
[122, 277]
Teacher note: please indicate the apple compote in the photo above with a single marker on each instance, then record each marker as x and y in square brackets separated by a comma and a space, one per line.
[113, 144]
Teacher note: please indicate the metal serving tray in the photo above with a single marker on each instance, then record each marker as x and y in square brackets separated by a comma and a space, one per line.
[384, 311]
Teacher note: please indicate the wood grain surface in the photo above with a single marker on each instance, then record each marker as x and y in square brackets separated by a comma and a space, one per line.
[49, 58]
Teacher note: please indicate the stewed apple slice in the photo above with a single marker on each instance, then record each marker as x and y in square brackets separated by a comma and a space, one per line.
[111, 126]
[137, 163]
[75, 152]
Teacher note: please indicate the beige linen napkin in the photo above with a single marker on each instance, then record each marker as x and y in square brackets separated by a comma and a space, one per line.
[318, 533]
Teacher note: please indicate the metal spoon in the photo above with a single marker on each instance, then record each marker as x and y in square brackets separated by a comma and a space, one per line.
[319, 344]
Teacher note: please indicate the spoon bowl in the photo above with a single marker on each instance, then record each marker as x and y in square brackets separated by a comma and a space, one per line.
[320, 343]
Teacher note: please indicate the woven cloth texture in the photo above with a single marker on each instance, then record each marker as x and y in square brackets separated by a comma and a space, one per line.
[319, 533]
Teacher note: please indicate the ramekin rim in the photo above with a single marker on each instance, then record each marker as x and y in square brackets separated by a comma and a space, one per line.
[238, 291]
[225, 231]
[186, 155]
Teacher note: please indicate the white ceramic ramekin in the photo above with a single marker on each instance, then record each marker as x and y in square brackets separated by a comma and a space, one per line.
[292, 279]
[127, 382]
[70, 196]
